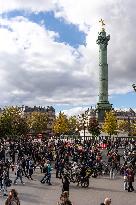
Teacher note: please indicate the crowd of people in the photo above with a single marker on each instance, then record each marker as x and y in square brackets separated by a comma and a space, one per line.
[73, 162]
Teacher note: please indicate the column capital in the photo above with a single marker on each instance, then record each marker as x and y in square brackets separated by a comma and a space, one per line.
[103, 39]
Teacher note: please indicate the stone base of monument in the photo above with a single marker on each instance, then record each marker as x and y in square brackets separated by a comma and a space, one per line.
[102, 108]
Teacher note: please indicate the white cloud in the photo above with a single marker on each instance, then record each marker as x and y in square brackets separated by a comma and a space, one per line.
[29, 5]
[74, 111]
[119, 16]
[45, 71]
[36, 69]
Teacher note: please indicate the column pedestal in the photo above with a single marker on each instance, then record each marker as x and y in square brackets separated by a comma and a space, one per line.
[101, 109]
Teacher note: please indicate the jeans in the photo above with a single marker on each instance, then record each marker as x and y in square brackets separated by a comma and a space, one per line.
[130, 186]
[44, 178]
[18, 177]
[125, 185]
[112, 173]
[49, 178]
[4, 187]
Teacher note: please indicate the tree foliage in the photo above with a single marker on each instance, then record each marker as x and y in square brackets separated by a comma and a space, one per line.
[61, 124]
[93, 127]
[72, 124]
[127, 126]
[38, 122]
[123, 125]
[110, 123]
[12, 122]
[134, 128]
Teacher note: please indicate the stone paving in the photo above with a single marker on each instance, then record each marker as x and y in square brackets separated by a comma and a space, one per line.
[33, 192]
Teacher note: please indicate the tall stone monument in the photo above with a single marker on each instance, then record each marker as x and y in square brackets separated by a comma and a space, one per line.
[103, 104]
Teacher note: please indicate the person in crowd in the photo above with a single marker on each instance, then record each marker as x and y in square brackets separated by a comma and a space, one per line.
[57, 166]
[30, 170]
[64, 199]
[45, 171]
[49, 172]
[27, 165]
[65, 183]
[12, 198]
[18, 174]
[4, 180]
[113, 167]
[125, 178]
[107, 201]
[130, 177]
[23, 162]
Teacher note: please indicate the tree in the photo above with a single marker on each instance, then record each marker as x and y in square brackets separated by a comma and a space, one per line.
[38, 122]
[72, 124]
[12, 122]
[93, 127]
[61, 124]
[134, 128]
[127, 126]
[123, 125]
[110, 123]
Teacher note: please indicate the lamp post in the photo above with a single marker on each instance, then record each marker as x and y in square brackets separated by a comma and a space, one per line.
[83, 118]
[84, 124]
[129, 126]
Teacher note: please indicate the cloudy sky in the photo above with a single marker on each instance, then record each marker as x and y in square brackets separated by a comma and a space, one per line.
[49, 55]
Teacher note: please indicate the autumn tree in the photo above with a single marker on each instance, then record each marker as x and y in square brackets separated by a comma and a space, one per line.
[127, 126]
[134, 128]
[110, 123]
[123, 125]
[61, 124]
[93, 127]
[72, 124]
[38, 122]
[12, 122]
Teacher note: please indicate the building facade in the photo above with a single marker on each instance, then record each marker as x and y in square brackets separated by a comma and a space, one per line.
[50, 112]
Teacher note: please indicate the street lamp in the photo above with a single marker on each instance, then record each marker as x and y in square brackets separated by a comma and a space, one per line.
[84, 125]
[129, 126]
[83, 118]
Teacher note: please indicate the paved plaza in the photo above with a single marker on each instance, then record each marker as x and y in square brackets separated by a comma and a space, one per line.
[33, 192]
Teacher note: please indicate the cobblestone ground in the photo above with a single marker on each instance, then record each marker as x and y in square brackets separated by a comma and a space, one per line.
[33, 192]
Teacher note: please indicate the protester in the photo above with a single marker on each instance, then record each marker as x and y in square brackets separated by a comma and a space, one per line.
[74, 161]
[12, 198]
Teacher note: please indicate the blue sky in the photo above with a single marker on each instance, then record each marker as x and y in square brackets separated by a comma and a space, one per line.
[127, 100]
[60, 62]
[68, 33]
